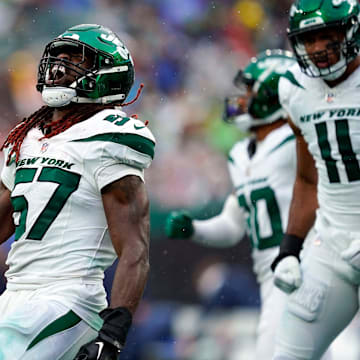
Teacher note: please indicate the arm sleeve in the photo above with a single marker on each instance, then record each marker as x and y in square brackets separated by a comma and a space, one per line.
[223, 230]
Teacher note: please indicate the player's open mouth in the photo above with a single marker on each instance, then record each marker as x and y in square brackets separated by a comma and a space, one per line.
[56, 74]
[322, 64]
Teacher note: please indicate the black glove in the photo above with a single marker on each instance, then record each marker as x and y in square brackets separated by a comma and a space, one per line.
[98, 350]
[290, 245]
[111, 337]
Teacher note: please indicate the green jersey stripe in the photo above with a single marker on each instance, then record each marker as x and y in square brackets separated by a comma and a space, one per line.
[65, 322]
[136, 142]
[287, 139]
[289, 75]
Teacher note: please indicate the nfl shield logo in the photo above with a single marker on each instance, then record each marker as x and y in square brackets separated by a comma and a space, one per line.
[44, 147]
[330, 97]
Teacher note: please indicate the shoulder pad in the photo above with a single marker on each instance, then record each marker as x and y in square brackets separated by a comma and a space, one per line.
[113, 121]
[238, 148]
[114, 126]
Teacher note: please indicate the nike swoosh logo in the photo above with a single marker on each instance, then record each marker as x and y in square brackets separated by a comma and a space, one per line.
[101, 346]
[138, 127]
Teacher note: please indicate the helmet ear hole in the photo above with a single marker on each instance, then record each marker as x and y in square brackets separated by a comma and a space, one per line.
[106, 62]
[91, 85]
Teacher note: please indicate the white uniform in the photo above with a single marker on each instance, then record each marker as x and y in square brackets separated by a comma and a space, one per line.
[263, 186]
[62, 244]
[329, 119]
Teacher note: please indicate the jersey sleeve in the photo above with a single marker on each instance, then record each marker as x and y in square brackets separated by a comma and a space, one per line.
[112, 173]
[284, 89]
[233, 160]
[8, 171]
[289, 84]
[114, 155]
[286, 157]
[223, 230]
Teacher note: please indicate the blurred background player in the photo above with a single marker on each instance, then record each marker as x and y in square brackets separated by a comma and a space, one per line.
[72, 190]
[321, 95]
[262, 169]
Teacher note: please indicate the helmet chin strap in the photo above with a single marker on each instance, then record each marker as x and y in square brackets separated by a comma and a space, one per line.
[245, 121]
[102, 100]
[336, 74]
[333, 72]
[57, 96]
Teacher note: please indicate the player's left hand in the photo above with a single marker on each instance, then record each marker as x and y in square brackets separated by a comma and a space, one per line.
[179, 225]
[111, 337]
[98, 350]
[287, 274]
[352, 254]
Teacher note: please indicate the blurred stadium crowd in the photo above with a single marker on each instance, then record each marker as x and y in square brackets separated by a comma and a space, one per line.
[186, 52]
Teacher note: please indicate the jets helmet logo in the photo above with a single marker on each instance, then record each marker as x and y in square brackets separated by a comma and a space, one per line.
[339, 2]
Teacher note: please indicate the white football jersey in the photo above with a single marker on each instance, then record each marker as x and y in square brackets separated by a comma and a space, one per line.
[329, 120]
[263, 185]
[61, 230]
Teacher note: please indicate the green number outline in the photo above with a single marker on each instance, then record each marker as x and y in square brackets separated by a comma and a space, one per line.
[273, 210]
[20, 203]
[68, 183]
[112, 118]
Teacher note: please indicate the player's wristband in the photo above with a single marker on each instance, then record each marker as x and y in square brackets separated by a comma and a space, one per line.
[291, 245]
[117, 323]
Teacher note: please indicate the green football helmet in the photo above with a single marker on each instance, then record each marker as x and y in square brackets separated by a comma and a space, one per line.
[310, 15]
[261, 76]
[108, 79]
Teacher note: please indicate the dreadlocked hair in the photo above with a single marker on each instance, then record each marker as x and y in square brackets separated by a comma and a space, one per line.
[17, 135]
[42, 117]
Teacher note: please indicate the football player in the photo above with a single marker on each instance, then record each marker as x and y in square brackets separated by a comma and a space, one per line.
[73, 192]
[262, 168]
[321, 95]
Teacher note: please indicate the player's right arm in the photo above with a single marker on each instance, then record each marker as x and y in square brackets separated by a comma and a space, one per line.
[223, 230]
[7, 227]
[304, 200]
[286, 265]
